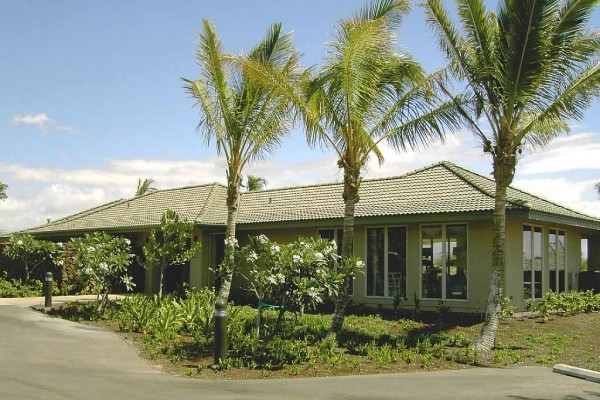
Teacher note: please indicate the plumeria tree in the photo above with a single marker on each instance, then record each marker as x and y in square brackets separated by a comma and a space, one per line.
[294, 276]
[101, 261]
[30, 253]
[170, 246]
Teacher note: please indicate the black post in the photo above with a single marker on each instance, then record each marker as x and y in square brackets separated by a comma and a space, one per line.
[48, 291]
[220, 331]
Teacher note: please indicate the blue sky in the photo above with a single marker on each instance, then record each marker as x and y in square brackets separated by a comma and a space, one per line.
[92, 100]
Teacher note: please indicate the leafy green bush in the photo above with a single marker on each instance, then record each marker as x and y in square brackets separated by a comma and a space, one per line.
[137, 312]
[14, 288]
[570, 303]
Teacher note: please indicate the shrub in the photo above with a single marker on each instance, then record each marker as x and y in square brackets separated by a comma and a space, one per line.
[102, 262]
[14, 288]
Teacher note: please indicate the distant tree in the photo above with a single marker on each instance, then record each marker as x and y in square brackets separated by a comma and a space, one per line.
[170, 248]
[255, 183]
[144, 186]
[598, 188]
[245, 120]
[3, 187]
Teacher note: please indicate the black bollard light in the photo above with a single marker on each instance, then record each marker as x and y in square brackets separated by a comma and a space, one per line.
[48, 291]
[220, 331]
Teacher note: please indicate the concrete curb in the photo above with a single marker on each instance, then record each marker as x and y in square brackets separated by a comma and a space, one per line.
[581, 373]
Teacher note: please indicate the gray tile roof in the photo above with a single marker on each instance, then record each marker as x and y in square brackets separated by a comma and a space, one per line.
[192, 203]
[438, 189]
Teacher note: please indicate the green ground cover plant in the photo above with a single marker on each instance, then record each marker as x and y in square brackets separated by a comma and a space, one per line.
[177, 333]
[15, 288]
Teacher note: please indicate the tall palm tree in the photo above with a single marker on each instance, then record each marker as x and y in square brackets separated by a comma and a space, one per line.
[144, 186]
[367, 93]
[254, 183]
[527, 69]
[245, 120]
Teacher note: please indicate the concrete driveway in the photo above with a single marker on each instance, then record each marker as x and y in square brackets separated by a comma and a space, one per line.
[47, 358]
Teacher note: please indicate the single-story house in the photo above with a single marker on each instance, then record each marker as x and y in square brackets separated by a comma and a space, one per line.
[427, 233]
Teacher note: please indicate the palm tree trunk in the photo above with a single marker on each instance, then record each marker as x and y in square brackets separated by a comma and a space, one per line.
[503, 173]
[227, 265]
[160, 283]
[351, 185]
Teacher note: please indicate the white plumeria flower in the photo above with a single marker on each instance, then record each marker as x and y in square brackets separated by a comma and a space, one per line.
[280, 278]
[252, 257]
[262, 239]
[297, 259]
[127, 241]
[20, 242]
[103, 266]
[319, 256]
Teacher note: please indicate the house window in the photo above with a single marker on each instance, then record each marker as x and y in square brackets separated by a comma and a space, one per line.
[444, 262]
[386, 262]
[336, 235]
[557, 260]
[532, 262]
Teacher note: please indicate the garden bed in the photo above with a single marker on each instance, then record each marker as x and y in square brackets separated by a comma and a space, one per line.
[369, 344]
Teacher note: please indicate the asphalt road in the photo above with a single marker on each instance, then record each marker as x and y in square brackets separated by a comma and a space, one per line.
[47, 358]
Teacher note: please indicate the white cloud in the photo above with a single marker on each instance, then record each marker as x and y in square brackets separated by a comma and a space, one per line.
[66, 128]
[568, 153]
[41, 120]
[40, 192]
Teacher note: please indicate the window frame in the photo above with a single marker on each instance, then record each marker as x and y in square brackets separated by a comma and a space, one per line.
[444, 260]
[386, 261]
[557, 232]
[544, 262]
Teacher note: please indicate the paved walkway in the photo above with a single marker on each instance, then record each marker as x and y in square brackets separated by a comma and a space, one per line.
[48, 358]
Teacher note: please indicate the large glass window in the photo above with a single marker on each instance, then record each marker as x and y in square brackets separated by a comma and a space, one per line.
[444, 262]
[556, 260]
[532, 262]
[386, 262]
[456, 262]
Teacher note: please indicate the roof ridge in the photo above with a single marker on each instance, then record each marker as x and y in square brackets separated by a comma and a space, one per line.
[413, 172]
[209, 198]
[79, 214]
[179, 188]
[459, 171]
[554, 203]
[511, 199]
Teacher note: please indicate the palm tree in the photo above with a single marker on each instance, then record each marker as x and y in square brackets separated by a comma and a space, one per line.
[245, 120]
[256, 183]
[527, 69]
[367, 93]
[144, 186]
[3, 187]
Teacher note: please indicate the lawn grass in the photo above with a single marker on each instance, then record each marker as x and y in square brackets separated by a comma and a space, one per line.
[369, 344]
